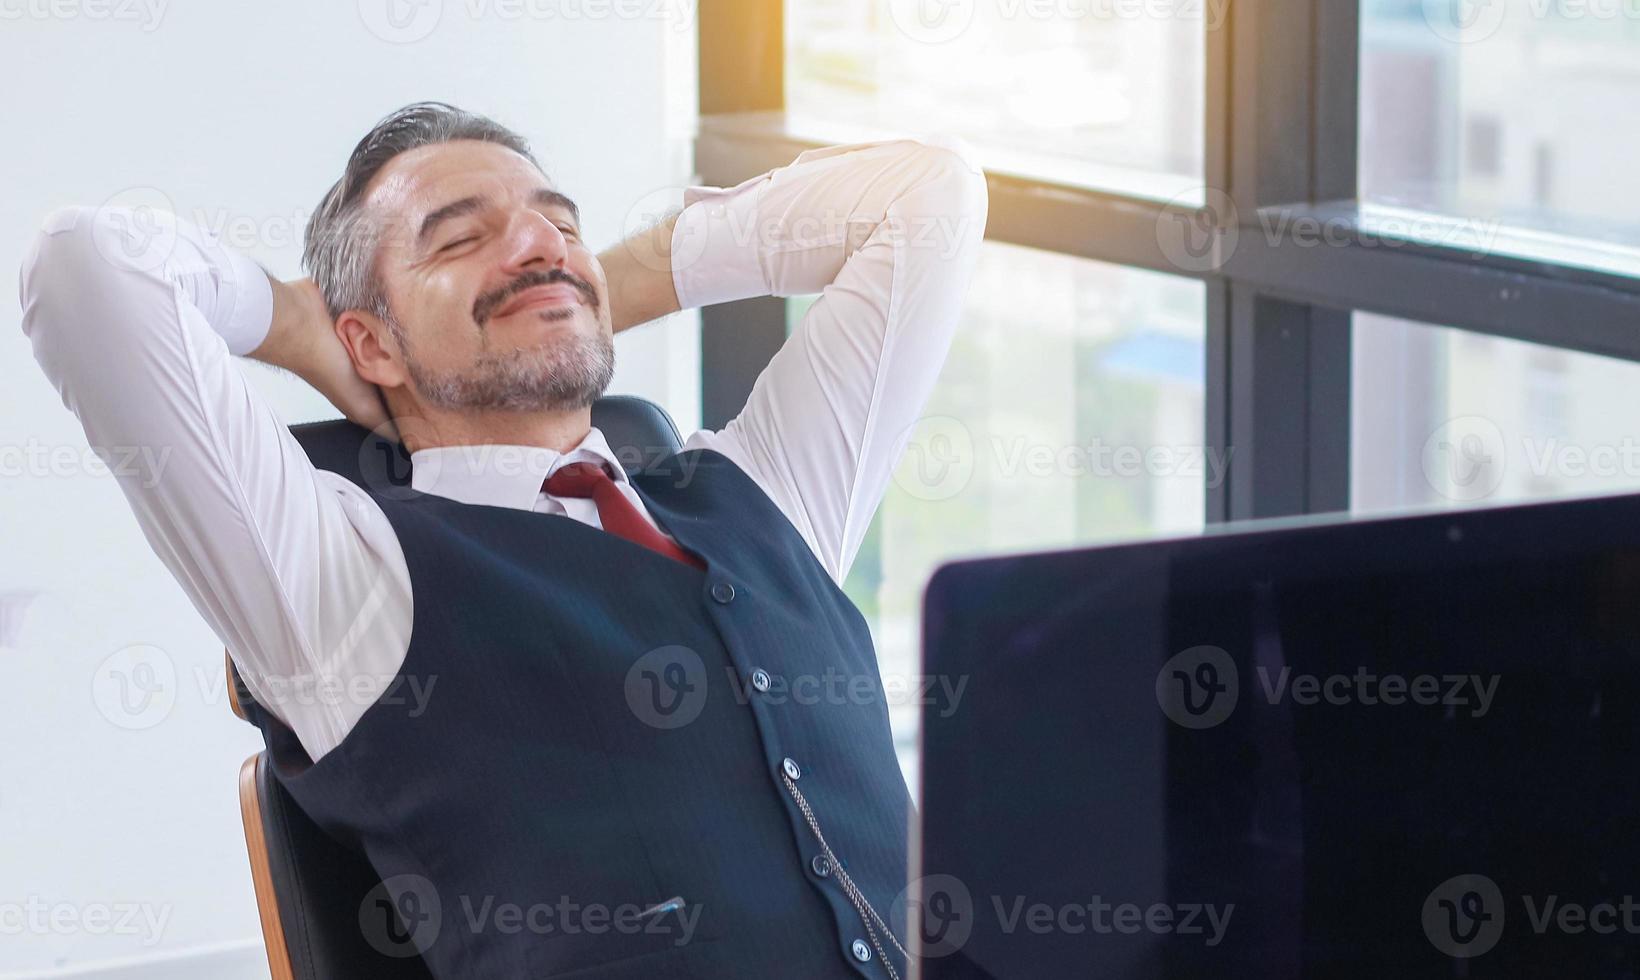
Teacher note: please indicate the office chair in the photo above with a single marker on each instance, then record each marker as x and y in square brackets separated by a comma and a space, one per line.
[309, 887]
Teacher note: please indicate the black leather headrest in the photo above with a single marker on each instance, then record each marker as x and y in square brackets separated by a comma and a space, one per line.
[637, 430]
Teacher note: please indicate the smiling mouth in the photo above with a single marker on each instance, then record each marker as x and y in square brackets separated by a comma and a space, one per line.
[553, 295]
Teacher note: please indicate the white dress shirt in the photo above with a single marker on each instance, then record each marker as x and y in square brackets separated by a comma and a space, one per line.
[134, 318]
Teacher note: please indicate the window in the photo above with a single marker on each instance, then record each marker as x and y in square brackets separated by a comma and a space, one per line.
[1349, 174]
[1101, 94]
[1565, 75]
[1069, 410]
[1449, 418]
[1485, 146]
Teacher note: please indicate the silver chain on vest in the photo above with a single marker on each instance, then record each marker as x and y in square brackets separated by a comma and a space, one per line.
[868, 915]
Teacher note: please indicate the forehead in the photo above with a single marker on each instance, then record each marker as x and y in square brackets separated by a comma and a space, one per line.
[418, 181]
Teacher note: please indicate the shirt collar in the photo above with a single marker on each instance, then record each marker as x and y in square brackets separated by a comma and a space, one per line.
[499, 474]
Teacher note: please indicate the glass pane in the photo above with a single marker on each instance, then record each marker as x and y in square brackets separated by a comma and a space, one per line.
[1104, 93]
[1070, 409]
[1522, 115]
[1449, 418]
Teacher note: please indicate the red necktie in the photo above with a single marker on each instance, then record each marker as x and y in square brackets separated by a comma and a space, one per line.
[615, 512]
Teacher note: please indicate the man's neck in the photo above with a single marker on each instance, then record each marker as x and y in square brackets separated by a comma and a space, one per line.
[558, 431]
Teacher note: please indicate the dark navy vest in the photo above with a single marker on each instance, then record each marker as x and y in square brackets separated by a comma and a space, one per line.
[584, 767]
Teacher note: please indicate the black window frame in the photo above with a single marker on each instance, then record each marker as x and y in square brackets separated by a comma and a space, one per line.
[1281, 124]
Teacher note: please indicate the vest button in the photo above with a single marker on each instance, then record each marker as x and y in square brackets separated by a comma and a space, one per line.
[723, 592]
[760, 679]
[821, 865]
[861, 951]
[791, 769]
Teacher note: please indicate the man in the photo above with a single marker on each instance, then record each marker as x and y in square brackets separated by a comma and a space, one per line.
[526, 585]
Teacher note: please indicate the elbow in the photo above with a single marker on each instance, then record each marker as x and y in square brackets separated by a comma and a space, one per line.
[953, 165]
[58, 234]
[78, 249]
[51, 264]
[976, 197]
[966, 157]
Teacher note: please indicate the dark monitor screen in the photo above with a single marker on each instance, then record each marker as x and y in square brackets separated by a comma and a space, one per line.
[1405, 747]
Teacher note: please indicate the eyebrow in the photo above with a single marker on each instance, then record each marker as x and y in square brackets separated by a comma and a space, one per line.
[543, 196]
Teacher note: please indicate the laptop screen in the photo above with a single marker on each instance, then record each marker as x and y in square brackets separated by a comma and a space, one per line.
[1404, 747]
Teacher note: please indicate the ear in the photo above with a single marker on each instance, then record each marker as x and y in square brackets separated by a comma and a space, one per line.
[373, 348]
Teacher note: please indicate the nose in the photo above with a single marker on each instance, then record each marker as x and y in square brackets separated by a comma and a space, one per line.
[535, 242]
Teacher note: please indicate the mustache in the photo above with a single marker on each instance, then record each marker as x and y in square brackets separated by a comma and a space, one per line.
[488, 303]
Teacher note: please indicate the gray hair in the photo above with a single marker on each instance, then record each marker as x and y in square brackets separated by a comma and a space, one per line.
[340, 248]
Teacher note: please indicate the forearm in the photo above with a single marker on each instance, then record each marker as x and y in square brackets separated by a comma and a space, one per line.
[302, 339]
[639, 273]
[292, 335]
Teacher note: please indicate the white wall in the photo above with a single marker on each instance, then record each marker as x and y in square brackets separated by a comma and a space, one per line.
[239, 114]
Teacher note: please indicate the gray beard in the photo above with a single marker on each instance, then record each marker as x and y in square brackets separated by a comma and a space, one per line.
[564, 375]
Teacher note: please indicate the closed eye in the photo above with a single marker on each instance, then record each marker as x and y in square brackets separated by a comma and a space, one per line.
[459, 241]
